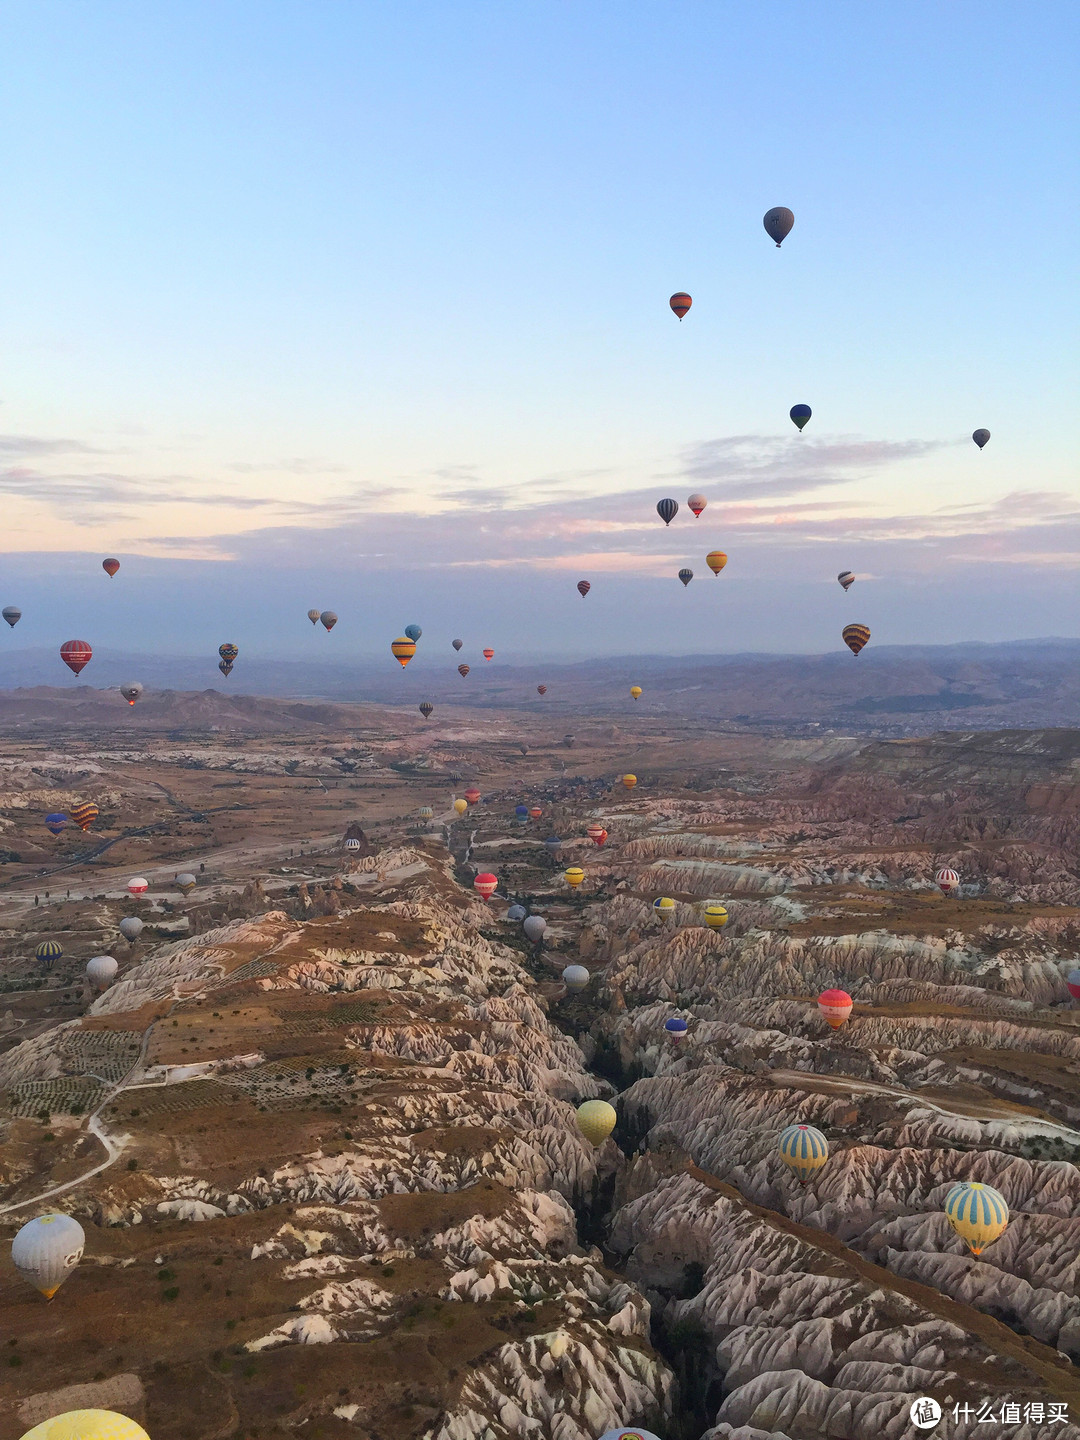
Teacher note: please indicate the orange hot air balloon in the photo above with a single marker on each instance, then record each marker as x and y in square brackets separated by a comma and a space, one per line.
[541, 689]
[629, 781]
[403, 649]
[85, 815]
[583, 587]
[597, 834]
[855, 637]
[835, 1007]
[535, 812]
[472, 795]
[76, 655]
[716, 560]
[488, 654]
[463, 670]
[486, 884]
[110, 567]
[680, 302]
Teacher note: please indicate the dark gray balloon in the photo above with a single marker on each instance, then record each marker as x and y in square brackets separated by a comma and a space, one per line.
[516, 913]
[457, 644]
[12, 614]
[778, 222]
[980, 437]
[534, 927]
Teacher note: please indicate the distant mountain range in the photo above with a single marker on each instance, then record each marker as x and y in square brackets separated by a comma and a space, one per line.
[891, 690]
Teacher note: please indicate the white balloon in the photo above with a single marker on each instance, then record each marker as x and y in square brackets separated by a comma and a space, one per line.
[101, 971]
[46, 1250]
[575, 977]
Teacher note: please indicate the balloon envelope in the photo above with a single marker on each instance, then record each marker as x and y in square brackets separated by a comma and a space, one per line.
[101, 971]
[131, 927]
[313, 616]
[521, 811]
[186, 881]
[488, 654]
[12, 614]
[635, 691]
[329, 619]
[686, 575]
[716, 915]
[131, 691]
[535, 812]
[676, 1028]
[457, 644]
[667, 510]
[980, 437]
[778, 222]
[228, 651]
[535, 927]
[110, 567]
[716, 560]
[403, 650]
[84, 815]
[947, 881]
[635, 1434]
[461, 806]
[583, 587]
[138, 885]
[48, 952]
[855, 637]
[664, 906]
[835, 1007]
[46, 1250]
[553, 843]
[426, 709]
[1072, 980]
[541, 689]
[413, 632]
[680, 302]
[76, 655]
[89, 1425]
[472, 795]
[486, 884]
[55, 823]
[596, 1120]
[516, 913]
[463, 670]
[803, 1149]
[800, 414]
[978, 1213]
[574, 876]
[575, 977]
[846, 579]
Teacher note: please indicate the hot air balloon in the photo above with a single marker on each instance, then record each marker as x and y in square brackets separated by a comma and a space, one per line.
[463, 670]
[553, 844]
[516, 914]
[329, 619]
[686, 575]
[76, 655]
[413, 632]
[541, 689]
[596, 1120]
[110, 567]
[84, 815]
[835, 1007]
[486, 884]
[48, 952]
[101, 971]
[800, 414]
[186, 881]
[488, 654]
[778, 222]
[596, 833]
[664, 906]
[846, 579]
[55, 823]
[629, 781]
[574, 876]
[575, 978]
[680, 302]
[226, 667]
[46, 1250]
[228, 652]
[457, 644]
[716, 560]
[461, 806]
[716, 915]
[535, 928]
[138, 885]
[980, 437]
[352, 844]
[91, 1425]
[521, 811]
[472, 795]
[978, 1213]
[803, 1149]
[947, 881]
[635, 691]
[583, 588]
[636, 1434]
[675, 1029]
[697, 504]
[131, 691]
[426, 709]
[313, 616]
[12, 614]
[426, 812]
[131, 927]
[535, 813]
[1072, 980]
[855, 637]
[667, 510]
[403, 650]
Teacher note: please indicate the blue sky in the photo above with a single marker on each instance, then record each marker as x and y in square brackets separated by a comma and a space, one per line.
[365, 306]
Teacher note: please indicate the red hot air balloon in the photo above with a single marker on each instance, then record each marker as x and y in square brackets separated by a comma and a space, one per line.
[488, 654]
[583, 588]
[947, 881]
[541, 689]
[680, 302]
[76, 655]
[596, 833]
[463, 670]
[835, 1007]
[697, 503]
[110, 567]
[472, 795]
[485, 884]
[1072, 980]
[535, 813]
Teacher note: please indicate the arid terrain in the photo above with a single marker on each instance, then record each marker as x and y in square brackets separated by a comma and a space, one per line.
[320, 1132]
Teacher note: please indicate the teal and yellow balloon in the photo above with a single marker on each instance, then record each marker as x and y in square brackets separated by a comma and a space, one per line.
[803, 1149]
[978, 1213]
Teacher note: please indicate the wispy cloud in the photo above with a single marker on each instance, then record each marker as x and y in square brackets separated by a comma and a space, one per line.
[754, 466]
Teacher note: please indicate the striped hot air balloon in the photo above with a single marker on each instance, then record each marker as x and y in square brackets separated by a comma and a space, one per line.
[978, 1213]
[85, 815]
[48, 952]
[596, 833]
[426, 709]
[583, 588]
[629, 781]
[488, 654]
[680, 302]
[855, 637]
[667, 510]
[716, 915]
[463, 670]
[76, 655]
[535, 813]
[574, 876]
[541, 689]
[686, 575]
[675, 1029]
[664, 906]
[403, 649]
[846, 579]
[803, 1149]
[486, 884]
[947, 881]
[716, 560]
[835, 1007]
[55, 823]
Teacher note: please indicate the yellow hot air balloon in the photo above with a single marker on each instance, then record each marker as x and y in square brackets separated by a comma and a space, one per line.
[629, 781]
[635, 691]
[87, 1425]
[574, 876]
[716, 560]
[803, 1149]
[403, 649]
[978, 1213]
[596, 1120]
[461, 805]
[716, 916]
[664, 907]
